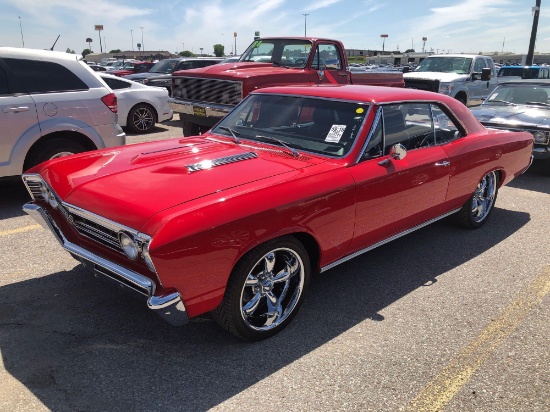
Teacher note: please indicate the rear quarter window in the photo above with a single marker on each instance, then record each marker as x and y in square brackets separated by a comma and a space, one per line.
[44, 77]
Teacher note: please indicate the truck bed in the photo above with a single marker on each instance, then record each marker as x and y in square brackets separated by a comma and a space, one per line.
[378, 78]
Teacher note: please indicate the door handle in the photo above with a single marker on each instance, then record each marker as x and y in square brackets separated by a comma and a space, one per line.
[15, 109]
[343, 74]
[444, 164]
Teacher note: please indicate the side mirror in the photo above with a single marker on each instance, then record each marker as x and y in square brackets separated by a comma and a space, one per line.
[397, 152]
[485, 74]
[406, 69]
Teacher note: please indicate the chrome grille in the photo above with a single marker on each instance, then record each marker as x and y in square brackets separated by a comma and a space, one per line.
[422, 84]
[207, 90]
[95, 231]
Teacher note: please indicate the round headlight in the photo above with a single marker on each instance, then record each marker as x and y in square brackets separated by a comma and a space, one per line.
[128, 245]
[540, 137]
[44, 192]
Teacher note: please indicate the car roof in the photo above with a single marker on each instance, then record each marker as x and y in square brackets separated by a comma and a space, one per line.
[361, 93]
[545, 82]
[17, 52]
[521, 67]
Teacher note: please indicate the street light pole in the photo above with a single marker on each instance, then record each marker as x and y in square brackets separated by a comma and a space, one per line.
[132, 35]
[305, 23]
[531, 51]
[21, 27]
[142, 45]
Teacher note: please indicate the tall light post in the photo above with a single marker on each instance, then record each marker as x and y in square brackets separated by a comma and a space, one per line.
[21, 27]
[142, 44]
[424, 40]
[305, 23]
[132, 36]
[531, 51]
[200, 50]
[98, 28]
[384, 37]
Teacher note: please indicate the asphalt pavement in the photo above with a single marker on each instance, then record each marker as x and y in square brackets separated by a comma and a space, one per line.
[441, 319]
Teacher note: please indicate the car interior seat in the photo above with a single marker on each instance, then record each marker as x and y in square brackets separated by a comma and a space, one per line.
[394, 128]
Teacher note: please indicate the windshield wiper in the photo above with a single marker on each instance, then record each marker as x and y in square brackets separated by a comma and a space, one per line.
[538, 104]
[280, 142]
[278, 64]
[234, 133]
[501, 101]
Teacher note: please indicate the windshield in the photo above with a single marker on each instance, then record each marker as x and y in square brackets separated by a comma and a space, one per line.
[128, 66]
[445, 64]
[164, 66]
[286, 52]
[322, 126]
[523, 72]
[520, 94]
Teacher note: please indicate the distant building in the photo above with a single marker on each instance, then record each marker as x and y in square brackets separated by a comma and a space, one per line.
[130, 54]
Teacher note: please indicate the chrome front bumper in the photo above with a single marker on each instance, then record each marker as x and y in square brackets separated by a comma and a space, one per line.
[209, 111]
[170, 307]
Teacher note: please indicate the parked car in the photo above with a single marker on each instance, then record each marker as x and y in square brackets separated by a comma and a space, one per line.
[51, 105]
[132, 67]
[161, 73]
[97, 67]
[294, 180]
[523, 72]
[521, 105]
[139, 107]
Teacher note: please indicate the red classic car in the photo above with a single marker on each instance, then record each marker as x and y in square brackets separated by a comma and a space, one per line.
[132, 68]
[294, 180]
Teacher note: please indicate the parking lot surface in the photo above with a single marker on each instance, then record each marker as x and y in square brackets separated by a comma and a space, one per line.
[441, 319]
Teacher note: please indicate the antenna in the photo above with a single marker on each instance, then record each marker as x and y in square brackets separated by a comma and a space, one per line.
[55, 42]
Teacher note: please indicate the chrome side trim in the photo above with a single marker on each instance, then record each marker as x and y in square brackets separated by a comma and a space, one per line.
[208, 164]
[383, 242]
[170, 308]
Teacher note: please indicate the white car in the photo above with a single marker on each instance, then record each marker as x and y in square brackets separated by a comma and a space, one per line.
[140, 107]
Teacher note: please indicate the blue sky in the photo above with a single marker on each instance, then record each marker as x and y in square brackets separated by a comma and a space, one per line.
[450, 26]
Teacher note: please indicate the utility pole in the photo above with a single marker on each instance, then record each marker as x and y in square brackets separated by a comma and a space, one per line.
[21, 27]
[305, 23]
[531, 52]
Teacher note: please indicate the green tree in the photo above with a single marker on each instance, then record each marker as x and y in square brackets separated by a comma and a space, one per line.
[218, 50]
[409, 51]
[186, 53]
[115, 51]
[70, 51]
[85, 52]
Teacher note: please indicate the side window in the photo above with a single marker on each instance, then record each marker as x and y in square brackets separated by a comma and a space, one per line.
[376, 142]
[479, 65]
[3, 83]
[327, 57]
[44, 77]
[116, 84]
[445, 129]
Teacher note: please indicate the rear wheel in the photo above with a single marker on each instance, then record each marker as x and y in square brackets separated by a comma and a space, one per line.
[265, 290]
[141, 118]
[52, 149]
[477, 209]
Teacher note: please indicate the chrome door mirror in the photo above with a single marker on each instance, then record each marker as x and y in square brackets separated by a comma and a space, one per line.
[398, 151]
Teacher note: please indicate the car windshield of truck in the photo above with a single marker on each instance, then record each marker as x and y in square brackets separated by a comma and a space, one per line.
[317, 125]
[164, 66]
[445, 64]
[520, 94]
[127, 66]
[282, 52]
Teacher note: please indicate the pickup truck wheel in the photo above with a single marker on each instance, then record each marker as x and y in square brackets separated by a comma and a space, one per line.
[191, 129]
[462, 99]
[141, 119]
[265, 290]
[477, 209]
[52, 149]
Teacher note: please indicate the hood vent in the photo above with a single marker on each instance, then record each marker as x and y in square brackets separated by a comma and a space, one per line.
[208, 164]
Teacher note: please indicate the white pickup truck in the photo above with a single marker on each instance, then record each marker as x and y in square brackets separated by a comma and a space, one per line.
[469, 78]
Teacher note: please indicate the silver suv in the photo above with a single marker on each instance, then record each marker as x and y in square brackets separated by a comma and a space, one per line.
[51, 105]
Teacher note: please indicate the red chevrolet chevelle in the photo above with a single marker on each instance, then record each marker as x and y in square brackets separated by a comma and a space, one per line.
[294, 180]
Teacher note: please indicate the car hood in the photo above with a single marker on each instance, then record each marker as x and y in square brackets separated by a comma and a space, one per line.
[146, 75]
[232, 71]
[130, 184]
[514, 116]
[442, 77]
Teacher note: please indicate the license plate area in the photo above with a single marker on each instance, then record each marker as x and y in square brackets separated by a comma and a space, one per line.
[199, 111]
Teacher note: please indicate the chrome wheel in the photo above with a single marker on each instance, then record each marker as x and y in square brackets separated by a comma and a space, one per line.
[141, 119]
[265, 290]
[272, 289]
[484, 197]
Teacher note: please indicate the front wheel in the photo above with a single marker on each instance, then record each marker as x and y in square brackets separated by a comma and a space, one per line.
[477, 209]
[191, 129]
[265, 290]
[52, 149]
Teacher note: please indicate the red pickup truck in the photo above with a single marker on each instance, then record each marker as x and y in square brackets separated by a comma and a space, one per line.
[203, 96]
[131, 68]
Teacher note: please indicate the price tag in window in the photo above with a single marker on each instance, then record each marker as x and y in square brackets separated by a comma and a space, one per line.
[335, 133]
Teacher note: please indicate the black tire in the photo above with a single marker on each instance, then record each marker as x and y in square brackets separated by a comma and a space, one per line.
[141, 119]
[192, 129]
[479, 207]
[462, 99]
[265, 290]
[52, 149]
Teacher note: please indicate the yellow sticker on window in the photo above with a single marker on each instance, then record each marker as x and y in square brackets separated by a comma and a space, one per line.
[359, 110]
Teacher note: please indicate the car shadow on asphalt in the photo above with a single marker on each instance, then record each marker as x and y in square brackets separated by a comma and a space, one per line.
[78, 344]
[536, 179]
[13, 195]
